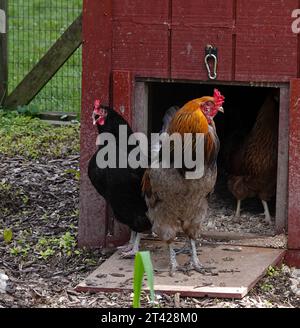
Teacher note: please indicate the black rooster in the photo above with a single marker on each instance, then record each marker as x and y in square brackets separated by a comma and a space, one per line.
[121, 187]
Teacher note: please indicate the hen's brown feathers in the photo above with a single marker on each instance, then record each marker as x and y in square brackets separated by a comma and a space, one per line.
[253, 165]
[147, 190]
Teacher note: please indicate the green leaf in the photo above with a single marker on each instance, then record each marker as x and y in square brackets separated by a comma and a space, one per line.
[7, 235]
[142, 264]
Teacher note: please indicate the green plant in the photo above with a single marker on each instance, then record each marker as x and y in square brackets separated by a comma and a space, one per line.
[74, 173]
[272, 272]
[42, 242]
[33, 138]
[47, 246]
[15, 250]
[266, 287]
[45, 254]
[67, 242]
[25, 199]
[7, 235]
[91, 262]
[19, 250]
[142, 264]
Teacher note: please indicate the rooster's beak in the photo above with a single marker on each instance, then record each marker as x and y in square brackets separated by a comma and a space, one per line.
[221, 109]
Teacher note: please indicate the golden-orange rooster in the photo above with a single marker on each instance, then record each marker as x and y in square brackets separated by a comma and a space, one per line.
[253, 163]
[174, 202]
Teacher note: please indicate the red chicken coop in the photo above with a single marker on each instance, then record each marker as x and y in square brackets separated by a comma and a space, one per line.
[141, 57]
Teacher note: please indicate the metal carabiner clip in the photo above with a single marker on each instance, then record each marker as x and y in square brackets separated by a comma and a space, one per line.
[215, 65]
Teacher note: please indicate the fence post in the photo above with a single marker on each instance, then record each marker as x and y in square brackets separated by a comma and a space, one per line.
[3, 51]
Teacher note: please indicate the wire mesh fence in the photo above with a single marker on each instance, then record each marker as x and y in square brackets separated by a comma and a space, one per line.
[34, 25]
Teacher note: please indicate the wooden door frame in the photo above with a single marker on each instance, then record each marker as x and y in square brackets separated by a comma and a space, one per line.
[140, 114]
[293, 253]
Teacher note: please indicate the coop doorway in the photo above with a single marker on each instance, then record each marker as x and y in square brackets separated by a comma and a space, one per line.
[242, 105]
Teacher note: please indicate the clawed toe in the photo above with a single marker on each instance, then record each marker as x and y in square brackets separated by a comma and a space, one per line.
[125, 248]
[198, 267]
[128, 255]
[172, 272]
[268, 221]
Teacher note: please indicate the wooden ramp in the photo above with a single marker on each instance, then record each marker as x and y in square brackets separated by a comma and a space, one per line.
[238, 268]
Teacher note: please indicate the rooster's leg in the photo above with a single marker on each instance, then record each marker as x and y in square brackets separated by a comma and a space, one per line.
[195, 264]
[238, 209]
[267, 213]
[173, 261]
[128, 247]
[135, 248]
[183, 250]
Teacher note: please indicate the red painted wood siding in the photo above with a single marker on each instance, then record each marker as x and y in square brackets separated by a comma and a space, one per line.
[266, 48]
[209, 13]
[163, 37]
[194, 25]
[96, 59]
[122, 89]
[292, 258]
[188, 46]
[140, 37]
[294, 168]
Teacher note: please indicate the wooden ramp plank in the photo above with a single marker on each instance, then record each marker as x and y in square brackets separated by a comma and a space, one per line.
[239, 268]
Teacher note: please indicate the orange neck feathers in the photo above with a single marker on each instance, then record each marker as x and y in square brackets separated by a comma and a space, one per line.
[190, 119]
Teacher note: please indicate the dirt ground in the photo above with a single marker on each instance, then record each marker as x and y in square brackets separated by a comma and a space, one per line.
[40, 201]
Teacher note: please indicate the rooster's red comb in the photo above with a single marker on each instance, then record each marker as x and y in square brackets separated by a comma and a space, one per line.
[219, 99]
[97, 104]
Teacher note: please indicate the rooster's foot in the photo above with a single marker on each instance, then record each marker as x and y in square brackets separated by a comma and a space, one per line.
[131, 243]
[129, 254]
[133, 246]
[268, 221]
[195, 264]
[126, 248]
[199, 268]
[173, 269]
[267, 213]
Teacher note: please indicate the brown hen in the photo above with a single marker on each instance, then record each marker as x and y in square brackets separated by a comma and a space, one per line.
[253, 164]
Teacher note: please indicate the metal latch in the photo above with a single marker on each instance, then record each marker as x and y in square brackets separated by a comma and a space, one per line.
[211, 55]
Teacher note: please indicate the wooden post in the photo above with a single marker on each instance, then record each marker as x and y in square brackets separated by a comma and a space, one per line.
[3, 51]
[293, 254]
[283, 158]
[96, 61]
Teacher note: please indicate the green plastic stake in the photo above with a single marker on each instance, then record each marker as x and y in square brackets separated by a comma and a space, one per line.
[142, 264]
